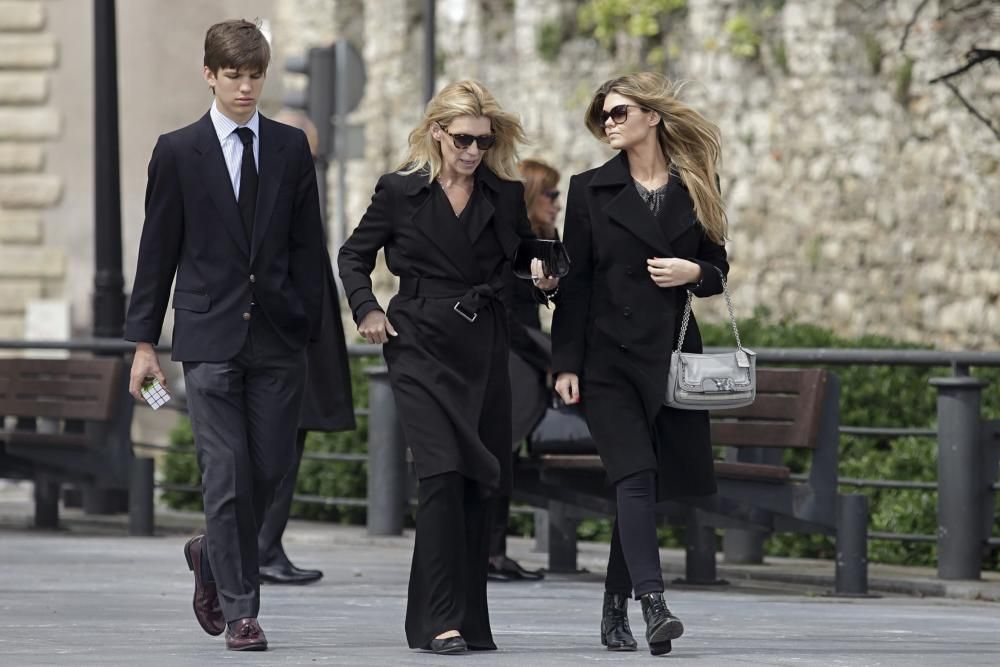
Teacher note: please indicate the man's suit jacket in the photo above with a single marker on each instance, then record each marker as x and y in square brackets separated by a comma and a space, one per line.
[193, 227]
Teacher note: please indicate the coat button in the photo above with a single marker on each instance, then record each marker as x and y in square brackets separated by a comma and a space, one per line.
[627, 312]
[252, 279]
[623, 348]
[246, 316]
[628, 270]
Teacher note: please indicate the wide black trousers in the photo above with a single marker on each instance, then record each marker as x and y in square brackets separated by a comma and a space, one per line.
[450, 555]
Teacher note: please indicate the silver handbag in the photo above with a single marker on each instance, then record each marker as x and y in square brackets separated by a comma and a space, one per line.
[711, 381]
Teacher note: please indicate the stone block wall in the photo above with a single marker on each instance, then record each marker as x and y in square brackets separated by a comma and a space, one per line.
[28, 268]
[861, 196]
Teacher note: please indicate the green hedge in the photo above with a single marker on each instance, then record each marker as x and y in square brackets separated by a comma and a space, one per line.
[870, 396]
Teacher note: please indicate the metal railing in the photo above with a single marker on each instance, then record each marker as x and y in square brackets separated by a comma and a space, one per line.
[966, 487]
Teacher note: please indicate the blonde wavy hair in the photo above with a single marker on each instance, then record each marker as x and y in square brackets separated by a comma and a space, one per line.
[465, 98]
[690, 143]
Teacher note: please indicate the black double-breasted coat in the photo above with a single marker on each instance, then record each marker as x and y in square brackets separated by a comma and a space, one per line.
[449, 375]
[616, 329]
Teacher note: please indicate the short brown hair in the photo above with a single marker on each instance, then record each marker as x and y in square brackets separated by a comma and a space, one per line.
[237, 44]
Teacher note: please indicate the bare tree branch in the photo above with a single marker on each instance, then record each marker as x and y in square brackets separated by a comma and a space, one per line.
[972, 109]
[912, 22]
[972, 58]
[961, 8]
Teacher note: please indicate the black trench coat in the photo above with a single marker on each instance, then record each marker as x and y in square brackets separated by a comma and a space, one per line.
[327, 403]
[616, 329]
[449, 375]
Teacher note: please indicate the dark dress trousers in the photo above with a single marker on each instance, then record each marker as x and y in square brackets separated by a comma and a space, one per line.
[327, 405]
[448, 370]
[244, 309]
[616, 329]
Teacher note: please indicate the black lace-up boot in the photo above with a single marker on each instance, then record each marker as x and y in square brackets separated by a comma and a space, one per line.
[615, 633]
[661, 625]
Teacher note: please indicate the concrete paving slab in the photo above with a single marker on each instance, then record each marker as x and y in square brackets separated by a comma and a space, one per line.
[82, 598]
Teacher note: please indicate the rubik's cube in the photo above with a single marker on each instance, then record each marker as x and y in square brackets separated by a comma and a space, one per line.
[155, 394]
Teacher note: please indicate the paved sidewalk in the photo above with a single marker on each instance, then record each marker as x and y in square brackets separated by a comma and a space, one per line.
[88, 595]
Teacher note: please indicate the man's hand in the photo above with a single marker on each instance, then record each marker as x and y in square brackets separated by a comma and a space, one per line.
[375, 327]
[568, 387]
[673, 272]
[144, 365]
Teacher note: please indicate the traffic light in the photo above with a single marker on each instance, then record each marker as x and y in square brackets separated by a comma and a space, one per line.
[318, 99]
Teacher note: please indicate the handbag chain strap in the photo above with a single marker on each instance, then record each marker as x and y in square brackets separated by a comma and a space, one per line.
[729, 305]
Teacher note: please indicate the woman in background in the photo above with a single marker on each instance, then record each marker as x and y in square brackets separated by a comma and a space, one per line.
[530, 355]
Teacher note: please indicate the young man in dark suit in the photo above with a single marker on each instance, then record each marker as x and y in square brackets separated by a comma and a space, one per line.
[232, 208]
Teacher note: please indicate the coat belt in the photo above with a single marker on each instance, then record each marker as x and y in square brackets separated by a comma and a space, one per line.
[469, 298]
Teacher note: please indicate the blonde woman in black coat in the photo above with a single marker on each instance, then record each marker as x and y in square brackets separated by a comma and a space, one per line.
[450, 220]
[642, 230]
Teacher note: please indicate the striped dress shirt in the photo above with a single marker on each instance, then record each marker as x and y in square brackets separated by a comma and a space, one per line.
[232, 147]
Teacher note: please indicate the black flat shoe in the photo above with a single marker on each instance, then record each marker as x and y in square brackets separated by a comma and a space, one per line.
[288, 574]
[510, 570]
[448, 646]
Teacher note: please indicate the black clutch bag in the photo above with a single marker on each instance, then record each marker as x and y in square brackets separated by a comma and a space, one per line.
[555, 260]
[562, 430]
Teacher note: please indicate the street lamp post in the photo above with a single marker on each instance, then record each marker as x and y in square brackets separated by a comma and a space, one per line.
[109, 297]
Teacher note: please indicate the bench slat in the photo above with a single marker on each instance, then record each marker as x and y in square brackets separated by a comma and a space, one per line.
[784, 407]
[760, 434]
[59, 388]
[752, 471]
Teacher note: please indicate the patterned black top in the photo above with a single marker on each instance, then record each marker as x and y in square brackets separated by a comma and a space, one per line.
[653, 198]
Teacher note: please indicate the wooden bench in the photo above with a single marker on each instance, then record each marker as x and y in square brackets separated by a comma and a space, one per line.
[71, 423]
[795, 409]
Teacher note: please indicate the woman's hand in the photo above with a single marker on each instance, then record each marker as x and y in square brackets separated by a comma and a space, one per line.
[538, 277]
[568, 387]
[673, 272]
[375, 327]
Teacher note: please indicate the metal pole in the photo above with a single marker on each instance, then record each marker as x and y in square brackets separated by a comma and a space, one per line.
[430, 55]
[851, 571]
[960, 480]
[109, 297]
[386, 458]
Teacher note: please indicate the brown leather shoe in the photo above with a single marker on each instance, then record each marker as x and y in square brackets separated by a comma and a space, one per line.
[246, 637]
[206, 598]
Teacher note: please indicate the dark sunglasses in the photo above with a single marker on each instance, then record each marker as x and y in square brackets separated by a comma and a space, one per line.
[551, 194]
[462, 141]
[619, 113]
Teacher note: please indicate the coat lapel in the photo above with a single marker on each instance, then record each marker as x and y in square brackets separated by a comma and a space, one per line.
[433, 216]
[215, 176]
[272, 168]
[484, 214]
[626, 207]
[679, 215]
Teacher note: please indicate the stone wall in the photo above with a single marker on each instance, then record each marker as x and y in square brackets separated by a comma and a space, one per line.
[861, 196]
[28, 54]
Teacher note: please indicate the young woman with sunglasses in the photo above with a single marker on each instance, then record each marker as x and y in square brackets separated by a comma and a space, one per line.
[642, 230]
[450, 220]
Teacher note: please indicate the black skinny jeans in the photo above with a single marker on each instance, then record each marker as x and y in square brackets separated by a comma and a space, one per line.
[634, 562]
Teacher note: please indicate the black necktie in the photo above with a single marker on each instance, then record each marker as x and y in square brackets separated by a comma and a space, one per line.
[248, 181]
